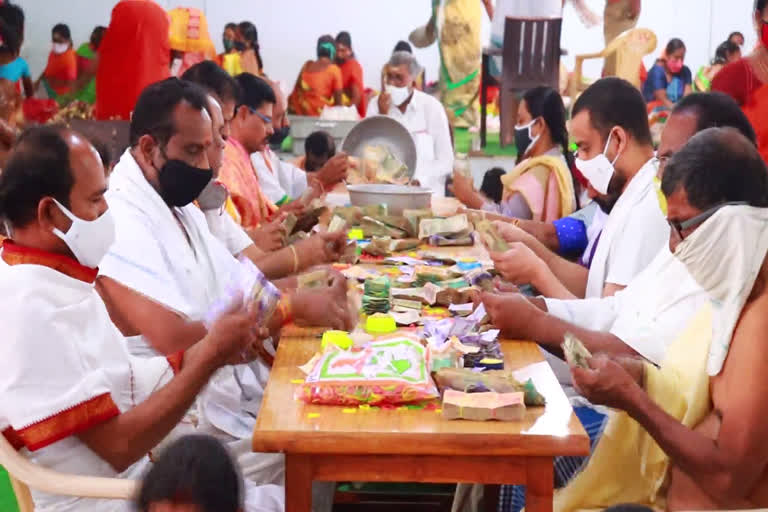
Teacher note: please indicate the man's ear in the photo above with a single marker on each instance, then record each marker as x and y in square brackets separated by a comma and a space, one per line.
[147, 146]
[49, 215]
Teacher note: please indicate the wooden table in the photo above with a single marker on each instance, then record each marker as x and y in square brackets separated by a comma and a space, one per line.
[414, 445]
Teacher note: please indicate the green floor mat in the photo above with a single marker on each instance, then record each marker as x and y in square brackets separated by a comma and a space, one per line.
[462, 140]
[7, 497]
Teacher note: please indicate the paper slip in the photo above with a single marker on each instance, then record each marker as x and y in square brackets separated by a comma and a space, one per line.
[461, 308]
[406, 317]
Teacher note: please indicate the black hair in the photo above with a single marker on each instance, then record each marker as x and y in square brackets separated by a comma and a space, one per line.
[38, 167]
[760, 5]
[322, 50]
[714, 110]
[403, 46]
[251, 36]
[214, 79]
[615, 102]
[344, 38]
[62, 30]
[320, 143]
[102, 148]
[13, 15]
[194, 470]
[230, 26]
[254, 91]
[97, 35]
[723, 50]
[11, 43]
[734, 34]
[716, 166]
[492, 186]
[546, 103]
[153, 113]
[673, 45]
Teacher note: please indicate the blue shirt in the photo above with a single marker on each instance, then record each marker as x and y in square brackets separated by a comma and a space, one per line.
[15, 71]
[657, 80]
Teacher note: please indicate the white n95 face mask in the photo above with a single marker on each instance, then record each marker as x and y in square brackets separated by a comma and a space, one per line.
[59, 48]
[399, 95]
[598, 170]
[90, 240]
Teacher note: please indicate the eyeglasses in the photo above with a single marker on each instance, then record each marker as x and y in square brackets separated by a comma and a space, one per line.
[679, 227]
[267, 120]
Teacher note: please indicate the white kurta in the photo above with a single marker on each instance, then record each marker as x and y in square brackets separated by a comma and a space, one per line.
[280, 181]
[425, 118]
[227, 231]
[634, 232]
[648, 315]
[186, 270]
[60, 350]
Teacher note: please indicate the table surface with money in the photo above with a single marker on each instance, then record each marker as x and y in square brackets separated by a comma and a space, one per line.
[337, 443]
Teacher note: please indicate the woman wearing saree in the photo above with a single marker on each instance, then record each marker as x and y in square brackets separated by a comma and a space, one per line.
[61, 72]
[319, 82]
[541, 186]
[746, 80]
[351, 73]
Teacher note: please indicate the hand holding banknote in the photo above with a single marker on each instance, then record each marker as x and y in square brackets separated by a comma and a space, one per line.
[605, 382]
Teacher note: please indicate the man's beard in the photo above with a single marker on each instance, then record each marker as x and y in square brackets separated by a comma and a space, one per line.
[615, 187]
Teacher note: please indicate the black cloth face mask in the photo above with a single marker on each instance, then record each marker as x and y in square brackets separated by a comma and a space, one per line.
[181, 183]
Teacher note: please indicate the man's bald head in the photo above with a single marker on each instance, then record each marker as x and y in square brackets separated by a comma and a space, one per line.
[718, 165]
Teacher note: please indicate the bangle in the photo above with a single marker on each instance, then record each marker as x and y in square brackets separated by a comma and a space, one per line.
[295, 258]
[285, 309]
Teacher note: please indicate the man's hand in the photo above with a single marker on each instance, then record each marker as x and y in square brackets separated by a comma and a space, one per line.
[519, 265]
[385, 101]
[334, 170]
[232, 337]
[269, 237]
[464, 190]
[510, 312]
[321, 248]
[324, 307]
[606, 382]
[511, 233]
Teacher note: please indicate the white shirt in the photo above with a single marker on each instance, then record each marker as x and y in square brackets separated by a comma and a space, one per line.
[648, 315]
[425, 118]
[633, 234]
[280, 181]
[227, 231]
[60, 350]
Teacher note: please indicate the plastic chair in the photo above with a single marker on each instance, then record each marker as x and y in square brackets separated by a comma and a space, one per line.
[25, 475]
[629, 49]
[530, 58]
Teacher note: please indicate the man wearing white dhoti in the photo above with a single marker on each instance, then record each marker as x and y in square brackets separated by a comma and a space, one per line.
[72, 399]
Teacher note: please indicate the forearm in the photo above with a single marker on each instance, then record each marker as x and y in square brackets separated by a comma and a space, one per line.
[276, 265]
[548, 285]
[142, 428]
[549, 330]
[692, 452]
[544, 232]
[572, 275]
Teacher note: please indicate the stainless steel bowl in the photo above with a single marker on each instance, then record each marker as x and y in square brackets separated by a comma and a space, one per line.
[382, 131]
[396, 197]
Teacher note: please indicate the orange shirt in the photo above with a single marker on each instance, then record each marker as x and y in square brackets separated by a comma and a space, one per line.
[62, 66]
[315, 90]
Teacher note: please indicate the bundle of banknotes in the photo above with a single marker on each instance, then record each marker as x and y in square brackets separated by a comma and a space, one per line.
[575, 352]
[376, 295]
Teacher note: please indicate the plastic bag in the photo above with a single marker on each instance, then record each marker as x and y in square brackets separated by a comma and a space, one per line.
[385, 372]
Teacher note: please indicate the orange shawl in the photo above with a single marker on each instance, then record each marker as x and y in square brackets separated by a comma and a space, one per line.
[239, 176]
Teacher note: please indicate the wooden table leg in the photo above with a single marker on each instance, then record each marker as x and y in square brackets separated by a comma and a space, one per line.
[298, 483]
[539, 484]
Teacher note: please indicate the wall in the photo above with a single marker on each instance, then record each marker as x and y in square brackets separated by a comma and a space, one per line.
[288, 29]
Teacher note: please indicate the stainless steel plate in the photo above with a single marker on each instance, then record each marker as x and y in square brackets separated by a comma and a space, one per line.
[382, 131]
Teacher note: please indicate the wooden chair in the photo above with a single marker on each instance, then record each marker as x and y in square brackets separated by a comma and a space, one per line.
[25, 475]
[531, 58]
[629, 49]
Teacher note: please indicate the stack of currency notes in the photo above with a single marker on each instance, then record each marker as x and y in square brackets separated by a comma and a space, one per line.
[490, 236]
[453, 227]
[374, 227]
[376, 295]
[314, 279]
[575, 352]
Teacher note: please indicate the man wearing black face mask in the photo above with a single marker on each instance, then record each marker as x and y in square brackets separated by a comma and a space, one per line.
[166, 275]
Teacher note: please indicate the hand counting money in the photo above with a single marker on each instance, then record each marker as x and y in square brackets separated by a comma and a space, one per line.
[575, 352]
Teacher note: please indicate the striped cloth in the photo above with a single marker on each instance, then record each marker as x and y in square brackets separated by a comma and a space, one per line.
[512, 497]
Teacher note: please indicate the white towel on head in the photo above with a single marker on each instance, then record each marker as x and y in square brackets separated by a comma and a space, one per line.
[724, 255]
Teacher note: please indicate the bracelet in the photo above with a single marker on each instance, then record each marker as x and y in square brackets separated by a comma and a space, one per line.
[285, 309]
[295, 258]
